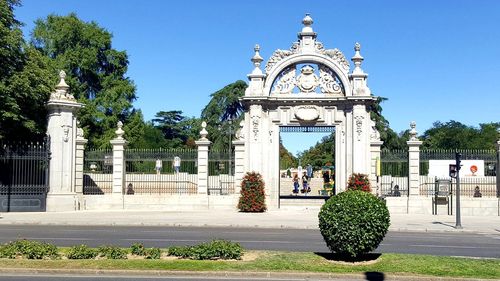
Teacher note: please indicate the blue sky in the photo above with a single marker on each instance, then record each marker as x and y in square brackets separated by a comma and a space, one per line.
[433, 60]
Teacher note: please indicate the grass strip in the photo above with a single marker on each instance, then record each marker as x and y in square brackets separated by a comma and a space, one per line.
[277, 261]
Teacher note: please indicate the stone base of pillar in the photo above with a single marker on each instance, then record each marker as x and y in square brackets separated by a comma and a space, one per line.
[62, 202]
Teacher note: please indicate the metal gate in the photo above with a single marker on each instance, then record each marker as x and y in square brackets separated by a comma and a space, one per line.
[24, 177]
[220, 172]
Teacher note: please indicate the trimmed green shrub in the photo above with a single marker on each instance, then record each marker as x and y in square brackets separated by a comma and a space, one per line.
[252, 198]
[216, 249]
[81, 252]
[112, 252]
[138, 249]
[353, 222]
[29, 249]
[153, 253]
[359, 182]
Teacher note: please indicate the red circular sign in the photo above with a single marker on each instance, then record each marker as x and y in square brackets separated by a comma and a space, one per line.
[473, 168]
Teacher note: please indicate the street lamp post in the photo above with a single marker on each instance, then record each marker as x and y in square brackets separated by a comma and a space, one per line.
[230, 146]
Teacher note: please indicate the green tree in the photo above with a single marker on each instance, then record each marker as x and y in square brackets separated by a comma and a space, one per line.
[387, 135]
[26, 81]
[224, 106]
[320, 154]
[96, 72]
[455, 135]
[287, 160]
[177, 129]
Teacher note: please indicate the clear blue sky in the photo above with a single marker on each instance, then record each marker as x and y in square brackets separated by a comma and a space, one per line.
[433, 60]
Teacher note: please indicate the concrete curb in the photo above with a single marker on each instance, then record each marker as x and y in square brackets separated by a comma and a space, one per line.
[227, 274]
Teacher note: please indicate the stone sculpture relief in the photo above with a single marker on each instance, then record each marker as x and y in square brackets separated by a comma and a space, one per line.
[255, 117]
[359, 126]
[306, 113]
[307, 81]
[286, 82]
[375, 135]
[327, 80]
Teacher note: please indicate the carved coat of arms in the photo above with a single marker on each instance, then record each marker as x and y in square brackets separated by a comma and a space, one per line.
[307, 81]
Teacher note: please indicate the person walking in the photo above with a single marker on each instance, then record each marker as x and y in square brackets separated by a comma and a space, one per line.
[158, 166]
[177, 164]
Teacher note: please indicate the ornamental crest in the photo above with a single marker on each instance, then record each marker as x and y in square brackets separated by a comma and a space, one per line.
[307, 81]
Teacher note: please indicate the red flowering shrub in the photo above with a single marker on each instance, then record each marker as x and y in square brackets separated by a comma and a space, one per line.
[252, 195]
[359, 182]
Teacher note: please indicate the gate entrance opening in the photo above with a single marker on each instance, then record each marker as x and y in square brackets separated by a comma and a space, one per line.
[310, 173]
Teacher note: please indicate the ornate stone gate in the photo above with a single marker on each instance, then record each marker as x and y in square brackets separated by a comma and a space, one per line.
[307, 85]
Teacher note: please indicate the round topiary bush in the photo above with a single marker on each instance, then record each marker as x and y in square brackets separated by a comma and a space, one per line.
[353, 222]
[252, 195]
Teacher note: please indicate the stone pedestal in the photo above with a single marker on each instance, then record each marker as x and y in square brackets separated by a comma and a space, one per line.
[203, 146]
[414, 167]
[118, 144]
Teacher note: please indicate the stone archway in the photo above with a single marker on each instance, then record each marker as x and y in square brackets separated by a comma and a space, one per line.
[307, 85]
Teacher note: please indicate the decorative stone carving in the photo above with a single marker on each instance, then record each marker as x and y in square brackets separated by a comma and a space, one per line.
[203, 132]
[61, 93]
[240, 133]
[119, 132]
[286, 82]
[307, 81]
[255, 111]
[413, 131]
[306, 113]
[359, 126]
[375, 135]
[328, 83]
[278, 55]
[338, 56]
[66, 132]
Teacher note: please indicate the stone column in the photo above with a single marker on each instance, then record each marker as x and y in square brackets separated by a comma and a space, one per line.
[80, 149]
[239, 157]
[61, 128]
[119, 144]
[413, 161]
[203, 145]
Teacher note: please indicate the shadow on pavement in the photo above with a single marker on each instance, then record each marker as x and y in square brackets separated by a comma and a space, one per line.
[442, 223]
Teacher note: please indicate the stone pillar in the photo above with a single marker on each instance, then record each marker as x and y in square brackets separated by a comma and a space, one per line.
[375, 146]
[413, 161]
[61, 128]
[239, 158]
[203, 145]
[80, 149]
[119, 144]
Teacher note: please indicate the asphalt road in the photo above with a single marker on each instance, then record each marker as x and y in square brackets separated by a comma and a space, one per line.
[301, 240]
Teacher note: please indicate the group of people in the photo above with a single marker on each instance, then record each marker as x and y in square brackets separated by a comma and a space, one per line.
[297, 182]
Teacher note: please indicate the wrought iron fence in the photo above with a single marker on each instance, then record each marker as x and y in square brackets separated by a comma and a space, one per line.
[486, 186]
[161, 171]
[97, 171]
[393, 186]
[220, 172]
[24, 176]
[394, 162]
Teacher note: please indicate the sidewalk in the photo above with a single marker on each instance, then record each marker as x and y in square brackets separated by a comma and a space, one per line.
[302, 219]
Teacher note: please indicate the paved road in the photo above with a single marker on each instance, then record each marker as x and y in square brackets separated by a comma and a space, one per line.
[310, 240]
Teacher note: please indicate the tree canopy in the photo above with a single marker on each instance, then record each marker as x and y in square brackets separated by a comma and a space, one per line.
[223, 107]
[96, 72]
